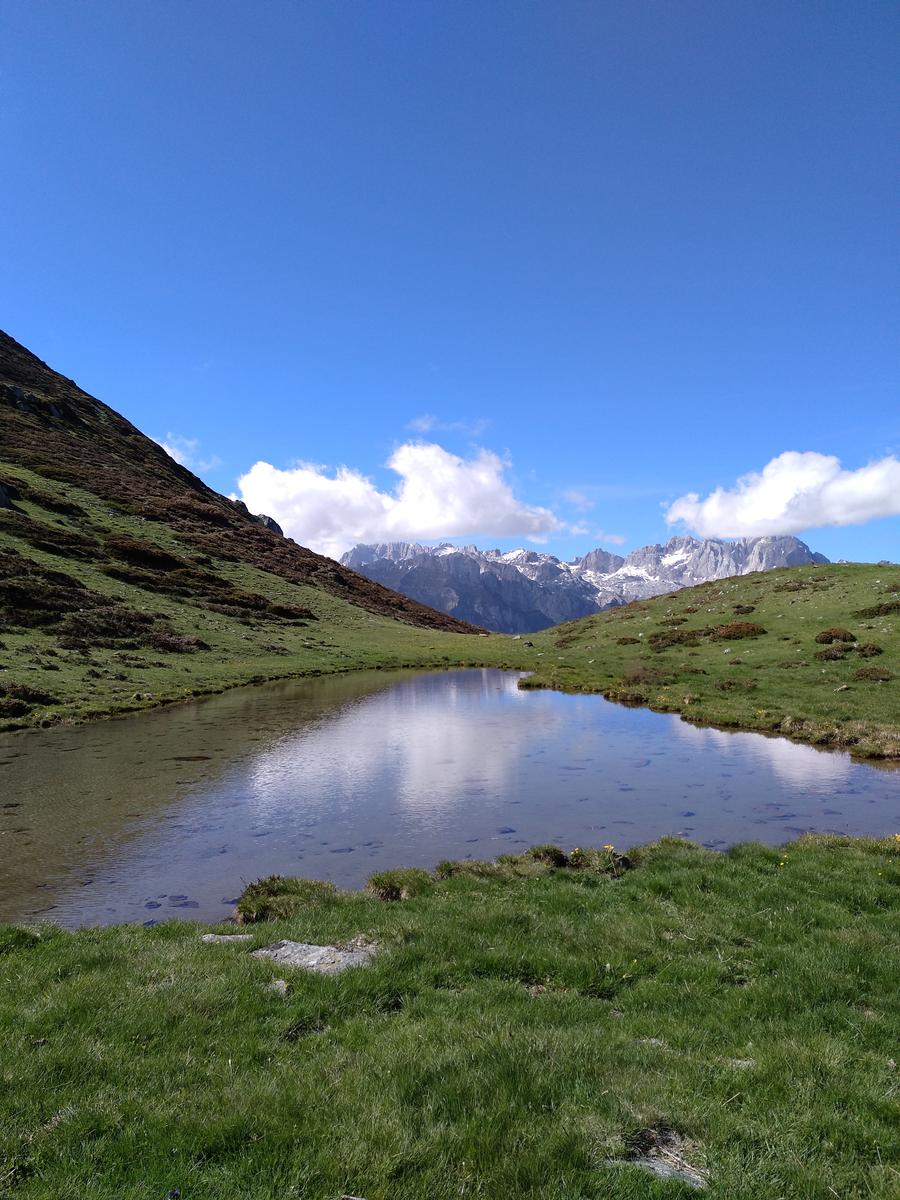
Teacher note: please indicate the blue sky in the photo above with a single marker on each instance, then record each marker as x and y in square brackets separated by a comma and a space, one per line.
[595, 257]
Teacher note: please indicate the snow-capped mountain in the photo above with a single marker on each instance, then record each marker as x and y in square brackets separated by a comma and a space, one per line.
[521, 591]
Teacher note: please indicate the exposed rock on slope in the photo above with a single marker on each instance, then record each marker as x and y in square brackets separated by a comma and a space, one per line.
[521, 591]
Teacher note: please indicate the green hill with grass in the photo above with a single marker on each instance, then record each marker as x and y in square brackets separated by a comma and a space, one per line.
[810, 652]
[125, 582]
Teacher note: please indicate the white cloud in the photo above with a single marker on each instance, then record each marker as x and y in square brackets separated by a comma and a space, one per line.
[184, 451]
[794, 492]
[614, 539]
[439, 495]
[428, 423]
[578, 500]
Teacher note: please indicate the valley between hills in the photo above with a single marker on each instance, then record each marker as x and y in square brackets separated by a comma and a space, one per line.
[126, 583]
[547, 1022]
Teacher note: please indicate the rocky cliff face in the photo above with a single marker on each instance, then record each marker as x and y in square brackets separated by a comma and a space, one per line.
[521, 591]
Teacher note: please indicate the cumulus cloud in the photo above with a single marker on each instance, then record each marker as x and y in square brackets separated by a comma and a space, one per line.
[185, 451]
[794, 492]
[439, 495]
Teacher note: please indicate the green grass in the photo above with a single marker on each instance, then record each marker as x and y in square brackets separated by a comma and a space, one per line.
[665, 653]
[772, 682]
[519, 1023]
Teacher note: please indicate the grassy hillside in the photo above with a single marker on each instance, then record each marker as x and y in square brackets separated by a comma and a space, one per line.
[811, 652]
[526, 1030]
[125, 582]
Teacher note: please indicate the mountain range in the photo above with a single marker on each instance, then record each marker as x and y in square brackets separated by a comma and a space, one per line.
[522, 591]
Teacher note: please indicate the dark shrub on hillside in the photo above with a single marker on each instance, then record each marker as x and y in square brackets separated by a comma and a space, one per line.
[628, 641]
[828, 636]
[32, 595]
[672, 621]
[638, 673]
[831, 654]
[13, 708]
[879, 674]
[24, 691]
[143, 554]
[175, 643]
[689, 609]
[107, 625]
[743, 609]
[869, 650]
[666, 638]
[736, 630]
[880, 610]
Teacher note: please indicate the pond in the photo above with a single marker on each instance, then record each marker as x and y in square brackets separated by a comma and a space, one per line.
[170, 813]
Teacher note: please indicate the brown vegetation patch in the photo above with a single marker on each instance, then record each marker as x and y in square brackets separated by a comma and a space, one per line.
[877, 674]
[32, 595]
[736, 630]
[638, 673]
[880, 610]
[868, 650]
[665, 638]
[832, 654]
[628, 641]
[65, 543]
[744, 610]
[827, 636]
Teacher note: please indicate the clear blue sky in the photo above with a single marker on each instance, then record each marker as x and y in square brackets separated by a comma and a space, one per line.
[640, 249]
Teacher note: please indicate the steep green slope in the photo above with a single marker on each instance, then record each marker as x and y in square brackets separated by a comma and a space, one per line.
[125, 581]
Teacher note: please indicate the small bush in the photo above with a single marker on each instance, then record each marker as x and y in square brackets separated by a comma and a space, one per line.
[24, 691]
[878, 674]
[176, 643]
[628, 641]
[553, 855]
[828, 636]
[666, 638]
[832, 654]
[401, 884]
[880, 610]
[673, 621]
[736, 630]
[276, 897]
[869, 650]
[744, 609]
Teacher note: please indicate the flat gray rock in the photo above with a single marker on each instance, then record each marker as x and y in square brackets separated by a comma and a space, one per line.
[209, 938]
[668, 1170]
[327, 960]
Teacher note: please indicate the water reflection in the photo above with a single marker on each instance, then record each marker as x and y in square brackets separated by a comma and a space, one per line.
[170, 814]
[797, 765]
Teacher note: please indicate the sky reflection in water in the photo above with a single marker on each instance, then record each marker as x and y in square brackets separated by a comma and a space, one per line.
[335, 781]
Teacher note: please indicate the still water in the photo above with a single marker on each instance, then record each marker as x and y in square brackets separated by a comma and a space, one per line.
[169, 814]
